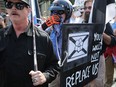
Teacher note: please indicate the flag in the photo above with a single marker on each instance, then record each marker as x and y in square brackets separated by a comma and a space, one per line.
[38, 13]
[99, 10]
[78, 7]
[110, 10]
[35, 11]
[79, 3]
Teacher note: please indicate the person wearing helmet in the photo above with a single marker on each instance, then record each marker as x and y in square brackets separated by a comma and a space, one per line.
[16, 50]
[61, 11]
[62, 6]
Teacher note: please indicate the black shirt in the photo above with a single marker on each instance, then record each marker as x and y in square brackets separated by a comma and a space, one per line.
[17, 57]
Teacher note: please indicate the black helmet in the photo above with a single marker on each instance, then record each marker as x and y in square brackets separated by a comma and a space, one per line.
[25, 1]
[64, 5]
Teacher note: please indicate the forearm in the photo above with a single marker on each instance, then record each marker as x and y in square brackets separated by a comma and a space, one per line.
[106, 38]
[109, 39]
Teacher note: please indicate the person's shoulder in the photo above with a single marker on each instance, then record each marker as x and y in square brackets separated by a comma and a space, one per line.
[41, 31]
[4, 31]
[6, 28]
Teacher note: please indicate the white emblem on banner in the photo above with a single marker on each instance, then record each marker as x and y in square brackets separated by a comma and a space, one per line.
[77, 46]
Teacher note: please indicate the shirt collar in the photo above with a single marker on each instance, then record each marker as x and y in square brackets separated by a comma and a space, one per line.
[28, 30]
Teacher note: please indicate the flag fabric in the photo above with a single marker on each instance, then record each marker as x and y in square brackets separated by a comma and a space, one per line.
[99, 16]
[99, 10]
[79, 3]
[91, 13]
[38, 13]
[35, 11]
[110, 2]
[110, 11]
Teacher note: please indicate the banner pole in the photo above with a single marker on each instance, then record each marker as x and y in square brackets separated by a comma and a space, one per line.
[34, 38]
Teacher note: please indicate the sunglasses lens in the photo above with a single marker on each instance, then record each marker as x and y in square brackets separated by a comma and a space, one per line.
[9, 5]
[18, 5]
[60, 12]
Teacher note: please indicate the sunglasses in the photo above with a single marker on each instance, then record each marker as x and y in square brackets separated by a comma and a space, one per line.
[88, 8]
[59, 12]
[18, 5]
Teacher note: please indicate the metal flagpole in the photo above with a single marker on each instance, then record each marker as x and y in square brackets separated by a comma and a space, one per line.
[34, 38]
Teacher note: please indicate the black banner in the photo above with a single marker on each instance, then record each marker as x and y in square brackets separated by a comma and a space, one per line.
[81, 46]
